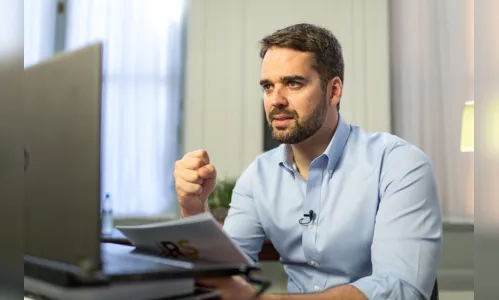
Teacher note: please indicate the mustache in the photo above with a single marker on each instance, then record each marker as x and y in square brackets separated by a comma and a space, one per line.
[278, 111]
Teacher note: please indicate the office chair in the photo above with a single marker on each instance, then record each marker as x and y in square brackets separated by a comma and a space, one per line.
[434, 293]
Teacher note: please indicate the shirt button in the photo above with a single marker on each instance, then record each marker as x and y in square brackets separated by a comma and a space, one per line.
[330, 171]
[317, 288]
[310, 226]
[313, 262]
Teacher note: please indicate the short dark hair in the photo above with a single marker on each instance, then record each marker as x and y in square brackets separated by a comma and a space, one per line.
[321, 42]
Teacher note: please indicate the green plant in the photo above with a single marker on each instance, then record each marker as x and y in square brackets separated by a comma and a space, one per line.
[222, 194]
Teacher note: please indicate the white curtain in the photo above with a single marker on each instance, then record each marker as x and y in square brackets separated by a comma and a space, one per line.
[141, 96]
[39, 30]
[432, 78]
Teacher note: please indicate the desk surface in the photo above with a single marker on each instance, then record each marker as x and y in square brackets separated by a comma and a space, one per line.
[268, 253]
[199, 294]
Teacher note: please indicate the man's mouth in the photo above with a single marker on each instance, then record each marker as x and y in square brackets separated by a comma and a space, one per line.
[281, 117]
[282, 121]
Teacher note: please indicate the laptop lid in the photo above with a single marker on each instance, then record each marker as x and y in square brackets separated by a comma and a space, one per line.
[62, 148]
[11, 161]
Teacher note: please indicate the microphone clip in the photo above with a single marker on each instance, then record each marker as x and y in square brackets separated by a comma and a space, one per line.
[311, 216]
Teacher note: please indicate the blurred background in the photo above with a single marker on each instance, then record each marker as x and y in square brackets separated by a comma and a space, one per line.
[181, 75]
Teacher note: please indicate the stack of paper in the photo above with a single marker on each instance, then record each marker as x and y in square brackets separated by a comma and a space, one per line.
[198, 238]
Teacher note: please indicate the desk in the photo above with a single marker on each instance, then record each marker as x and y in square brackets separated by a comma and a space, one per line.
[268, 253]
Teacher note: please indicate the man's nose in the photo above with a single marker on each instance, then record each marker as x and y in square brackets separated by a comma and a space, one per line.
[278, 99]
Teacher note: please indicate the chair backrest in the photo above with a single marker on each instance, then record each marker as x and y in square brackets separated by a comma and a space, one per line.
[434, 293]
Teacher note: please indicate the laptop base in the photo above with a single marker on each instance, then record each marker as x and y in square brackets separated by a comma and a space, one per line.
[126, 274]
[140, 290]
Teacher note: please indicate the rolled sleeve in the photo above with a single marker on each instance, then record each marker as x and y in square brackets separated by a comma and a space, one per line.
[242, 223]
[386, 287]
[408, 230]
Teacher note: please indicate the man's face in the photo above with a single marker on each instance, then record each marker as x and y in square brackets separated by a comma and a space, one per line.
[294, 99]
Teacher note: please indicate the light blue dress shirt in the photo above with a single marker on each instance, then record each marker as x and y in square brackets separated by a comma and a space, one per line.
[378, 222]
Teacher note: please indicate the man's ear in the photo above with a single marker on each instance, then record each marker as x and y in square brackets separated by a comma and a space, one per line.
[335, 88]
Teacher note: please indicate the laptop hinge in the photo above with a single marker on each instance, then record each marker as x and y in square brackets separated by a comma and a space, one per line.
[62, 274]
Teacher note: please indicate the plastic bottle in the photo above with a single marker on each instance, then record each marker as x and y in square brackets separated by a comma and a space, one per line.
[107, 216]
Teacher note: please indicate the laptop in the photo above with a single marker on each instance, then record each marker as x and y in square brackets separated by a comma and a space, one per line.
[63, 253]
[11, 174]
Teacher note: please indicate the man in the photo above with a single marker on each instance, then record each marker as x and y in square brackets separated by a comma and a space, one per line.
[372, 228]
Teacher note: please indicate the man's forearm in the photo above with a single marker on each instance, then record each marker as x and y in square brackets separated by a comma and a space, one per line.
[344, 292]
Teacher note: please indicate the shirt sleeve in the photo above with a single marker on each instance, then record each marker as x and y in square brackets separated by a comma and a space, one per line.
[242, 223]
[408, 230]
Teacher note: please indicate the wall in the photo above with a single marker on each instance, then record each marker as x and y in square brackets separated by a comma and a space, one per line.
[223, 101]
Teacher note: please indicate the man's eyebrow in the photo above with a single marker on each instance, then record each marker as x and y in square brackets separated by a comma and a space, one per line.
[264, 82]
[284, 79]
[293, 78]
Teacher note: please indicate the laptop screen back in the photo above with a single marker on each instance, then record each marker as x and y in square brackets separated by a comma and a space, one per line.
[62, 147]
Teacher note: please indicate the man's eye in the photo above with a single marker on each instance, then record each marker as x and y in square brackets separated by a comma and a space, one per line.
[266, 87]
[294, 84]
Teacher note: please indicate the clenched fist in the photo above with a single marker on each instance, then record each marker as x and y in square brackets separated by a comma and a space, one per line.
[195, 180]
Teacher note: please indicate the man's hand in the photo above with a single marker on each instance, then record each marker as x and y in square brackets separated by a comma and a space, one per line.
[231, 288]
[236, 288]
[195, 180]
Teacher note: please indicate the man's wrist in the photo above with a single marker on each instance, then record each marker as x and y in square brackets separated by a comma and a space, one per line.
[269, 297]
[184, 213]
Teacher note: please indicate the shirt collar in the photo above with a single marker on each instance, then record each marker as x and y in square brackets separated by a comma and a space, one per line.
[333, 150]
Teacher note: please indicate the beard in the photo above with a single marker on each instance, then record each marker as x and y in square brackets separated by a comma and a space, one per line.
[298, 129]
